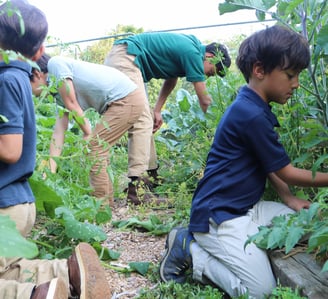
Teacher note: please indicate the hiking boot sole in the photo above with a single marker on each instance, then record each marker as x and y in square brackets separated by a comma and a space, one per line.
[94, 284]
[57, 289]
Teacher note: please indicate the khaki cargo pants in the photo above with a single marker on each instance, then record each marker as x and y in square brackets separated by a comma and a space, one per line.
[18, 276]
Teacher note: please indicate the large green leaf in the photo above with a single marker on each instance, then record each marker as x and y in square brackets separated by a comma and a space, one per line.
[46, 199]
[322, 39]
[294, 235]
[12, 244]
[153, 224]
[140, 267]
[325, 267]
[318, 238]
[82, 231]
[183, 100]
[232, 6]
[276, 237]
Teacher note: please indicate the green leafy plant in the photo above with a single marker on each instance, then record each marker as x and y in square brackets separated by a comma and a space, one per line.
[153, 225]
[287, 231]
[139, 267]
[285, 293]
[12, 244]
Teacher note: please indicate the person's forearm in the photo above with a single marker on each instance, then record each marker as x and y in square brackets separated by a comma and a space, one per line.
[56, 147]
[58, 139]
[204, 97]
[67, 93]
[280, 187]
[302, 177]
[286, 195]
[165, 91]
[85, 127]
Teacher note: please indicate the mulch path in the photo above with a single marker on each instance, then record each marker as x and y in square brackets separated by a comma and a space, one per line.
[133, 246]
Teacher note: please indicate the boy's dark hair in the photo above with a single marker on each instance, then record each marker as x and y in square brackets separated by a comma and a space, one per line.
[43, 63]
[276, 46]
[23, 27]
[221, 51]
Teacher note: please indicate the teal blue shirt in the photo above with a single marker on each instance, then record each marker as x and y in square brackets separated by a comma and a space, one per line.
[167, 55]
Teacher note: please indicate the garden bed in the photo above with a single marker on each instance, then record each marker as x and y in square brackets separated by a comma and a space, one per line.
[300, 271]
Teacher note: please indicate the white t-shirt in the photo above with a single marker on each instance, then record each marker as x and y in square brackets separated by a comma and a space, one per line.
[95, 85]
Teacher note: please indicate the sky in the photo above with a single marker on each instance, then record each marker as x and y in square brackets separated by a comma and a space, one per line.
[75, 20]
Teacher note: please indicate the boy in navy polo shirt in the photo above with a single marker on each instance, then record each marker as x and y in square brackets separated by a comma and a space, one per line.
[227, 205]
[81, 274]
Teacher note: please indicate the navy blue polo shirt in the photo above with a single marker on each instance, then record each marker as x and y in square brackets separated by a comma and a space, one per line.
[245, 150]
[16, 104]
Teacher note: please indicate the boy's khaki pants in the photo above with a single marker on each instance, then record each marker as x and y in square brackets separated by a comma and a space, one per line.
[18, 277]
[220, 256]
[125, 115]
[140, 143]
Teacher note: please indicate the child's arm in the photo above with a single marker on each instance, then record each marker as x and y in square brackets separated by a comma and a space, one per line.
[11, 146]
[301, 177]
[67, 93]
[57, 140]
[285, 194]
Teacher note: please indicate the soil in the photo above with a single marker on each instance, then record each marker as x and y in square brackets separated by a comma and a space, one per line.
[134, 246]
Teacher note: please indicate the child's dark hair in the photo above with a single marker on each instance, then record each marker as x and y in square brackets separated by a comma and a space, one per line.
[43, 63]
[26, 39]
[225, 62]
[276, 46]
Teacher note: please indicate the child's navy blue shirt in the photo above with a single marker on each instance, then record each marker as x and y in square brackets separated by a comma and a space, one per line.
[16, 104]
[245, 150]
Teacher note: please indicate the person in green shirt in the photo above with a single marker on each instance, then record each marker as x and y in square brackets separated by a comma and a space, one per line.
[167, 56]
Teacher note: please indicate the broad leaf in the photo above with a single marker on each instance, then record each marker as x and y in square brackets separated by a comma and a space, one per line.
[318, 238]
[140, 267]
[293, 236]
[82, 231]
[232, 6]
[46, 199]
[325, 267]
[12, 243]
[276, 237]
[322, 39]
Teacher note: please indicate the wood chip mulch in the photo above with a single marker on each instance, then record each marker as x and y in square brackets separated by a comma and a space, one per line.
[133, 246]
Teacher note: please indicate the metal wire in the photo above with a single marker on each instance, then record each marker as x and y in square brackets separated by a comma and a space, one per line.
[165, 30]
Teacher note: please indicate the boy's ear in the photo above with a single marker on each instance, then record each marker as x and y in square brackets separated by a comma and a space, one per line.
[39, 53]
[36, 74]
[258, 70]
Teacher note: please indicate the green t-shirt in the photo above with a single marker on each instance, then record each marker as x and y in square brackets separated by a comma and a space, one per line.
[167, 55]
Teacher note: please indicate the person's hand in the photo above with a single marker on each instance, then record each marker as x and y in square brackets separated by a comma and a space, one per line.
[86, 137]
[158, 121]
[43, 165]
[297, 204]
[205, 103]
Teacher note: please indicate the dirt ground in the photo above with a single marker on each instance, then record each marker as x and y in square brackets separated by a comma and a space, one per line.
[134, 246]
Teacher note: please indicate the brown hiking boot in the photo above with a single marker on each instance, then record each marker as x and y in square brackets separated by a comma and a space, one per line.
[140, 193]
[153, 179]
[86, 275]
[54, 289]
